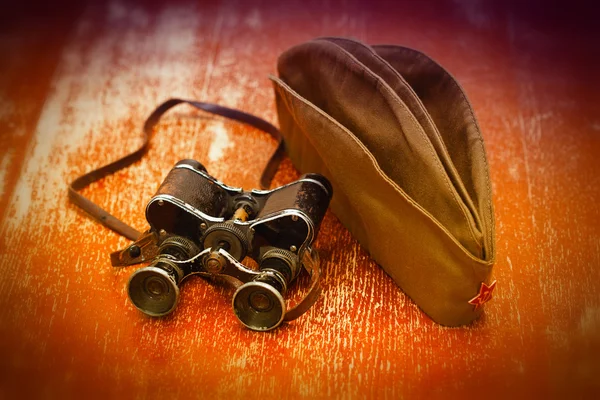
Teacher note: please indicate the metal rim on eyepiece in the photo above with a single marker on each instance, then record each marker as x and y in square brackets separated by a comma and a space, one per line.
[153, 291]
[259, 306]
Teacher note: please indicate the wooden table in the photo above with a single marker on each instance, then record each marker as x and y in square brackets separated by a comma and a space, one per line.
[76, 82]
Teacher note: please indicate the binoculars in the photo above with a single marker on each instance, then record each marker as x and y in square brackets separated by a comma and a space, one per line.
[199, 225]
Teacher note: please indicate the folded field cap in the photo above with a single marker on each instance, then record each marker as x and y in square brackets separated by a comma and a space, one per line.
[396, 136]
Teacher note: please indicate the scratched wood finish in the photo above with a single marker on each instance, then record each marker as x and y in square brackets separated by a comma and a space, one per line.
[73, 95]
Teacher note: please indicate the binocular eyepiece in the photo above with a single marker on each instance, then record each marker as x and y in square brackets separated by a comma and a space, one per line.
[198, 225]
[153, 290]
[259, 304]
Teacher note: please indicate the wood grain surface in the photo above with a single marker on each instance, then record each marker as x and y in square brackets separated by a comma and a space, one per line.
[76, 82]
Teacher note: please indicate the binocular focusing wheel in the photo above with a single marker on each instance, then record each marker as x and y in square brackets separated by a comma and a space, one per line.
[153, 291]
[259, 306]
[234, 240]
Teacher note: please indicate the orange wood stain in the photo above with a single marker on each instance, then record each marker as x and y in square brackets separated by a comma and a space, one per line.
[66, 326]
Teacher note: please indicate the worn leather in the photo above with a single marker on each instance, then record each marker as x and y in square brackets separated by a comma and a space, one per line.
[396, 136]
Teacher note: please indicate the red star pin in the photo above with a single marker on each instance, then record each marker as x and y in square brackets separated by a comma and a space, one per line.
[485, 295]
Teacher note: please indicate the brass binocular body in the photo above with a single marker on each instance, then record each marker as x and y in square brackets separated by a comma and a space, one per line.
[199, 225]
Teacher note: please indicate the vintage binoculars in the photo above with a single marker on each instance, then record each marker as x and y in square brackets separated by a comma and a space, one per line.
[199, 225]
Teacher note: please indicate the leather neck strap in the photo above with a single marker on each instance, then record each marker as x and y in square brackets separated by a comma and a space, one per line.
[112, 222]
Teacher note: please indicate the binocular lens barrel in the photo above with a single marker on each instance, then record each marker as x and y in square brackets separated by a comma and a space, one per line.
[153, 291]
[259, 306]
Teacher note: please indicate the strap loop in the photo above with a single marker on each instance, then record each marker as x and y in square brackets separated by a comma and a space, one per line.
[112, 222]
